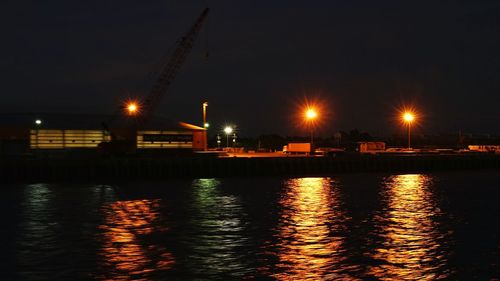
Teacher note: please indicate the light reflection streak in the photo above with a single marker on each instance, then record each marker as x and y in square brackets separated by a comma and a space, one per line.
[216, 233]
[411, 239]
[126, 252]
[307, 246]
[38, 237]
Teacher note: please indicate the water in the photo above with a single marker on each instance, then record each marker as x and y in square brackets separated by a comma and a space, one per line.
[347, 227]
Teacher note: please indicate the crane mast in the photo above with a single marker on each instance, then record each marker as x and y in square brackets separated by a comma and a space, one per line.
[170, 71]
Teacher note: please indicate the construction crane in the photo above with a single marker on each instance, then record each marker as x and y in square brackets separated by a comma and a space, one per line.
[171, 69]
[160, 87]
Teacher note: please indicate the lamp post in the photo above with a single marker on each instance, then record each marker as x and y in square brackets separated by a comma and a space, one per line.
[408, 118]
[205, 105]
[205, 125]
[310, 115]
[38, 123]
[228, 130]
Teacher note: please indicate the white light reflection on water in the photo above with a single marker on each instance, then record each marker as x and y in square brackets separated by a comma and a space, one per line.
[411, 240]
[307, 245]
[126, 253]
[215, 233]
[38, 236]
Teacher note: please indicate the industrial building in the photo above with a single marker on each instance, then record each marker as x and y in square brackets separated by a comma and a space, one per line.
[140, 129]
[49, 131]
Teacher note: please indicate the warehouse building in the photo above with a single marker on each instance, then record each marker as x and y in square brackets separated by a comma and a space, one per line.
[25, 132]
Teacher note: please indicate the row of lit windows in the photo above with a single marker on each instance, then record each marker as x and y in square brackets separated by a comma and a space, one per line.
[164, 145]
[60, 139]
[56, 139]
[141, 143]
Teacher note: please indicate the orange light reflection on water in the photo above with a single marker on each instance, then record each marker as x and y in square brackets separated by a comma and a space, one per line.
[411, 240]
[127, 256]
[306, 248]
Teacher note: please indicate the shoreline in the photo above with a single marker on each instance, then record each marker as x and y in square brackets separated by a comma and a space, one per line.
[29, 170]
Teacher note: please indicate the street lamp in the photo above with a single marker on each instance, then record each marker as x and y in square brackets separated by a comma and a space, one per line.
[228, 130]
[408, 118]
[310, 115]
[38, 123]
[205, 125]
[205, 105]
[132, 108]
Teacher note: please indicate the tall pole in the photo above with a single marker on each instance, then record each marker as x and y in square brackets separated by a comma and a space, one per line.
[228, 130]
[408, 118]
[205, 104]
[205, 143]
[409, 138]
[312, 137]
[310, 115]
[38, 122]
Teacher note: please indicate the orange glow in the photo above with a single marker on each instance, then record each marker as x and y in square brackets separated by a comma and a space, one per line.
[408, 117]
[411, 235]
[311, 113]
[124, 250]
[305, 248]
[132, 108]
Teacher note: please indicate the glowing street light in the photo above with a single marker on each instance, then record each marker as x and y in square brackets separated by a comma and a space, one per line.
[408, 118]
[310, 115]
[228, 130]
[38, 122]
[132, 108]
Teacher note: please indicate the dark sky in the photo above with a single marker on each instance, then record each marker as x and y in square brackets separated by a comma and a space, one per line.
[362, 59]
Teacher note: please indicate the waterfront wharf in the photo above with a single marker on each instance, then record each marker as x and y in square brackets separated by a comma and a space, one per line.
[115, 169]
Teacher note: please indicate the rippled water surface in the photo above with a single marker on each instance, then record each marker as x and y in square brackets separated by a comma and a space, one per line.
[348, 227]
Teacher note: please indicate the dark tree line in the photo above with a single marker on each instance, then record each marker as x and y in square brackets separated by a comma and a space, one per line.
[350, 139]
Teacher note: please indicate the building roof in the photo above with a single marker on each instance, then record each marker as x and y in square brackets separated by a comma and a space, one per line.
[79, 121]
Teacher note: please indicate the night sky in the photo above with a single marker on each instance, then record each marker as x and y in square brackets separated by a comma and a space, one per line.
[362, 59]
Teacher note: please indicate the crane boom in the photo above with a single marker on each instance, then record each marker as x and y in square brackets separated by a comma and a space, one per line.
[171, 69]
